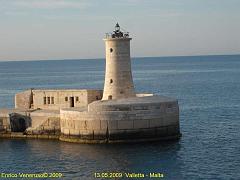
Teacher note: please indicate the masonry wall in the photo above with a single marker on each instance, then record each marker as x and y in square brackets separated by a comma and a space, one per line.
[44, 123]
[37, 121]
[52, 99]
[5, 124]
[118, 75]
[23, 100]
[5, 115]
[125, 123]
[94, 95]
[56, 99]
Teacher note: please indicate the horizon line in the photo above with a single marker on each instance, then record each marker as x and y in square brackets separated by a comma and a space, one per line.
[134, 57]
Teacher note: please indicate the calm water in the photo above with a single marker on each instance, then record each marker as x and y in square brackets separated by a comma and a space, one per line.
[208, 90]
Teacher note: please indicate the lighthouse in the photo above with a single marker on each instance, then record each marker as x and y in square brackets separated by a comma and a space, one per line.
[118, 74]
[121, 116]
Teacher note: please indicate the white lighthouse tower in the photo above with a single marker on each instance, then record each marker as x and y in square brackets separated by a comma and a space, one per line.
[118, 74]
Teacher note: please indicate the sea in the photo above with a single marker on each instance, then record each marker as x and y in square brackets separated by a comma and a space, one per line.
[208, 91]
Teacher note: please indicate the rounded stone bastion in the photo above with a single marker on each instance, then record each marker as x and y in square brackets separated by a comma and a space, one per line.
[122, 120]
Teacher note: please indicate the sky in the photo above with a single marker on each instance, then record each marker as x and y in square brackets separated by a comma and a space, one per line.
[74, 29]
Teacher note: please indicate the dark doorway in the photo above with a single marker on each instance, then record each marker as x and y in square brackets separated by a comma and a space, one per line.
[71, 101]
[18, 125]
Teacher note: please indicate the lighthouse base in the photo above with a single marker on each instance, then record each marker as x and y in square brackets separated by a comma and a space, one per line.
[135, 119]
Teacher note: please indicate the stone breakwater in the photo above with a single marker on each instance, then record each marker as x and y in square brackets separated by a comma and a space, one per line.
[136, 119]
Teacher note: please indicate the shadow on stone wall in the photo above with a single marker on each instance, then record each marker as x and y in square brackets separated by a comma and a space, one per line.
[19, 122]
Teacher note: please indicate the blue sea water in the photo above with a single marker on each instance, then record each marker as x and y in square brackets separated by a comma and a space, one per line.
[208, 90]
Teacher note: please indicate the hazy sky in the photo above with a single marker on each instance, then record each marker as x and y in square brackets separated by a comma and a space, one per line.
[72, 29]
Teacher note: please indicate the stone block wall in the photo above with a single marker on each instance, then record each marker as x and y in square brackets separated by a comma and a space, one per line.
[5, 124]
[122, 122]
[118, 75]
[56, 99]
[23, 100]
[44, 123]
[5, 120]
[94, 95]
[37, 122]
